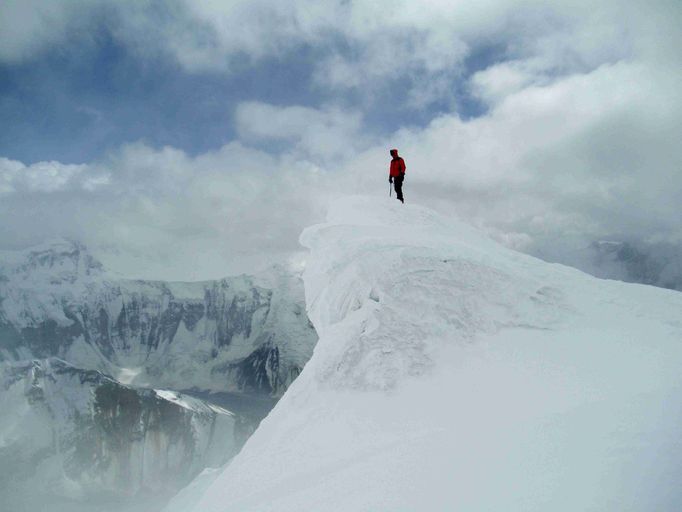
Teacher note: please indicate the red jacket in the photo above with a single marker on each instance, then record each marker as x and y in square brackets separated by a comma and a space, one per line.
[397, 167]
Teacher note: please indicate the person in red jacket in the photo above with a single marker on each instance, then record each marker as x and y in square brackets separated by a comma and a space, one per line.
[396, 174]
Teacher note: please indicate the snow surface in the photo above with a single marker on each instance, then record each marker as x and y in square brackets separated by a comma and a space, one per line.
[454, 374]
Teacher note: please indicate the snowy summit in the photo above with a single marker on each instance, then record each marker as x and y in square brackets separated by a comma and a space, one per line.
[455, 374]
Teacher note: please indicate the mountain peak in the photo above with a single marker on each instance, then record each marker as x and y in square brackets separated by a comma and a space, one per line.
[58, 260]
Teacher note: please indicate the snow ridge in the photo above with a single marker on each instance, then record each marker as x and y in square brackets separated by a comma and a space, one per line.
[397, 316]
[454, 374]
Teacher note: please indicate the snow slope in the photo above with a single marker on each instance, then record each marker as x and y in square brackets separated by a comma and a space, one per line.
[454, 374]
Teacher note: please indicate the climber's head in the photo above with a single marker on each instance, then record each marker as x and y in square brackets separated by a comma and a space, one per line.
[394, 153]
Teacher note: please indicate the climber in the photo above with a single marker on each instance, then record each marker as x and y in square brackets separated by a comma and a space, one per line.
[396, 174]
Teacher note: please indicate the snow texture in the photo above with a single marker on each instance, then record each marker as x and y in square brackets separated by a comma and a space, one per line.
[454, 374]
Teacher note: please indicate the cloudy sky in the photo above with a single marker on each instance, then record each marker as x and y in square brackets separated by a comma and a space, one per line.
[189, 140]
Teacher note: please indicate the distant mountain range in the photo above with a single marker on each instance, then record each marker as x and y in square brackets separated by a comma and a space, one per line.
[88, 359]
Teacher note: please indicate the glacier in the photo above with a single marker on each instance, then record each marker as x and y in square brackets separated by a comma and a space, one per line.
[452, 373]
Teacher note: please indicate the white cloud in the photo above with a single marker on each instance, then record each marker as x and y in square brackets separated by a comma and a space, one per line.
[500, 80]
[580, 142]
[588, 156]
[323, 135]
[550, 167]
[30, 26]
[364, 45]
[165, 214]
[48, 177]
[159, 212]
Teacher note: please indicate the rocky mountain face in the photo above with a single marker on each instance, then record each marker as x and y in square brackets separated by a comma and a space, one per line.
[103, 437]
[92, 368]
[239, 334]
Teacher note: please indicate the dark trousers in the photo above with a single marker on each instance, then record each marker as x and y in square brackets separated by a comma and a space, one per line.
[398, 185]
